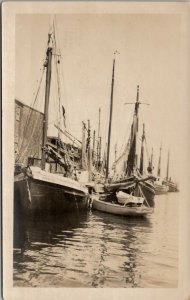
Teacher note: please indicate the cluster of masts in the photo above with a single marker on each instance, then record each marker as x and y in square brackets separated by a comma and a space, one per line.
[92, 156]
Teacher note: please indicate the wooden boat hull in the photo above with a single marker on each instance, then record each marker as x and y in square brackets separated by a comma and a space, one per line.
[149, 193]
[39, 196]
[161, 189]
[121, 210]
[172, 187]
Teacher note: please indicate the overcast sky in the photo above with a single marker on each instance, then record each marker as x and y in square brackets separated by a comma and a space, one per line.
[149, 47]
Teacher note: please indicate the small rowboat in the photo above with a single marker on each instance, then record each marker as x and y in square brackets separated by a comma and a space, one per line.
[118, 209]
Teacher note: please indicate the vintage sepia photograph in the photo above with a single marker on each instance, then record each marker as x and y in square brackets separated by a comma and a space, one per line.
[96, 156]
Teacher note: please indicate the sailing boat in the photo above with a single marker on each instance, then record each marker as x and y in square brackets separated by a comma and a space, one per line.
[138, 204]
[39, 190]
[135, 182]
[160, 186]
[172, 186]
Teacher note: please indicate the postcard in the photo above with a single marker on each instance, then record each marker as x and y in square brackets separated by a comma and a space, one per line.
[95, 175]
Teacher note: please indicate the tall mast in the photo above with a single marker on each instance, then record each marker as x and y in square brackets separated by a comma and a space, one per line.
[93, 147]
[142, 152]
[150, 163]
[46, 106]
[104, 160]
[167, 172]
[115, 158]
[159, 163]
[136, 126]
[83, 161]
[115, 152]
[98, 142]
[99, 122]
[151, 159]
[99, 154]
[89, 152]
[110, 121]
[133, 156]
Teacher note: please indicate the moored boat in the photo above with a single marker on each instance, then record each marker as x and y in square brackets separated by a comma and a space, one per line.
[160, 186]
[161, 189]
[39, 191]
[134, 185]
[37, 187]
[135, 176]
[118, 209]
[172, 186]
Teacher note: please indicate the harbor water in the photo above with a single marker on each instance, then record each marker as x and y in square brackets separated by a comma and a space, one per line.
[95, 249]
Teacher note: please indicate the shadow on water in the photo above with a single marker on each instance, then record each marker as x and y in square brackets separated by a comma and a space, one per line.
[128, 221]
[43, 230]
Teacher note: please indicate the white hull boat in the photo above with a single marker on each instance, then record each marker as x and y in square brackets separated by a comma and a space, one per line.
[118, 209]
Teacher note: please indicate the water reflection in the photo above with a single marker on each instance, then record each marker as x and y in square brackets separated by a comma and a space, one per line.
[121, 243]
[98, 250]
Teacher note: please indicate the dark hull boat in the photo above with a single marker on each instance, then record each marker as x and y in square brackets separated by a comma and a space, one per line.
[131, 184]
[40, 191]
[55, 190]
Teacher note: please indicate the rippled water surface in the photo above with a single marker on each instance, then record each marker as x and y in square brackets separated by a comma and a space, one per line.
[95, 249]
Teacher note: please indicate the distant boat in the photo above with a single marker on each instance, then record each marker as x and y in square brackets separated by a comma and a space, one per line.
[172, 186]
[160, 186]
[36, 188]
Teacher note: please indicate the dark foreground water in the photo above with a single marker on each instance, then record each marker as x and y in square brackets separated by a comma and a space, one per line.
[99, 250]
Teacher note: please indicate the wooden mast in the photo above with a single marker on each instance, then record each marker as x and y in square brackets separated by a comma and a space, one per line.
[98, 142]
[110, 121]
[133, 156]
[151, 160]
[142, 151]
[93, 147]
[99, 122]
[168, 163]
[89, 152]
[83, 160]
[136, 126]
[115, 158]
[159, 163]
[46, 106]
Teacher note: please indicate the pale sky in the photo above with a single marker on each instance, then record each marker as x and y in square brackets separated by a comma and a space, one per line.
[149, 47]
